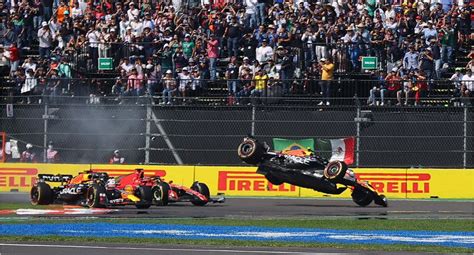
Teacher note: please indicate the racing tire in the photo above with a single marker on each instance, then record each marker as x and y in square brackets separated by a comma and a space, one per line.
[335, 170]
[362, 196]
[93, 196]
[251, 151]
[381, 200]
[161, 194]
[146, 197]
[273, 180]
[203, 189]
[41, 194]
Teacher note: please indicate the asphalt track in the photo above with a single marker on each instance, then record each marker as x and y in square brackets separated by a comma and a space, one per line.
[285, 207]
[100, 249]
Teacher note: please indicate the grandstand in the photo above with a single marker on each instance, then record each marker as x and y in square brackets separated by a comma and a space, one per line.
[62, 41]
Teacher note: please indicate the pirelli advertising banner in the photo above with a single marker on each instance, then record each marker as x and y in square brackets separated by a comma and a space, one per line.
[394, 183]
[243, 181]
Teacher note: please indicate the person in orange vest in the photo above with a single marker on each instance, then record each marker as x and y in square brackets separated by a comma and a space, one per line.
[117, 158]
[52, 155]
[28, 156]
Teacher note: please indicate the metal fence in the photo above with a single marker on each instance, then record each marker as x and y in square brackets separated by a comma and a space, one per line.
[277, 91]
[388, 136]
[346, 56]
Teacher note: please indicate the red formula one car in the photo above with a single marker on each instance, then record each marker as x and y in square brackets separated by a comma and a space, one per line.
[167, 192]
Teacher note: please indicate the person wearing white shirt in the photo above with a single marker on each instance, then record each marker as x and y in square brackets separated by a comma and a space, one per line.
[467, 88]
[133, 12]
[123, 24]
[430, 33]
[29, 64]
[76, 11]
[468, 83]
[410, 60]
[148, 22]
[137, 27]
[264, 52]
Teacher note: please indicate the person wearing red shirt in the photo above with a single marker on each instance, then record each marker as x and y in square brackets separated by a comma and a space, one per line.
[213, 54]
[393, 84]
[14, 58]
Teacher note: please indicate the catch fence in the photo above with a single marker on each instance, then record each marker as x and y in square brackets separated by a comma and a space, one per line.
[146, 133]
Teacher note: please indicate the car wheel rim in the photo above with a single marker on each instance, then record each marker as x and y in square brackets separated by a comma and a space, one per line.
[157, 195]
[246, 149]
[90, 198]
[34, 195]
[333, 170]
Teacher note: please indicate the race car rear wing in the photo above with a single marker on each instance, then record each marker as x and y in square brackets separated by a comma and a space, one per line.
[54, 178]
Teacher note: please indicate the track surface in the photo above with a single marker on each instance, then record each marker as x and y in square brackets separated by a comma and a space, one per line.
[259, 207]
[80, 249]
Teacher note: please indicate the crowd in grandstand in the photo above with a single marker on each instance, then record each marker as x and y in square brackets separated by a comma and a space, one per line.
[173, 48]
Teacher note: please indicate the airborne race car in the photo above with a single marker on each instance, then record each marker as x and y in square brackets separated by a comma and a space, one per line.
[167, 192]
[90, 189]
[304, 169]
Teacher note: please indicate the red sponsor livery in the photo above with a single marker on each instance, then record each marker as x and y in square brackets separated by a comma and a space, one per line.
[398, 183]
[17, 177]
[248, 181]
[124, 171]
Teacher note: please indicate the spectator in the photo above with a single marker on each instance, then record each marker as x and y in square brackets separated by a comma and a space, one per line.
[378, 90]
[233, 33]
[213, 54]
[185, 81]
[260, 81]
[117, 158]
[393, 85]
[467, 87]
[195, 87]
[327, 75]
[52, 155]
[14, 54]
[264, 52]
[28, 156]
[29, 86]
[232, 74]
[456, 78]
[169, 87]
[410, 60]
[45, 38]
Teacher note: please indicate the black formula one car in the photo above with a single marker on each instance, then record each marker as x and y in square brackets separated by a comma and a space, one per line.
[96, 190]
[305, 169]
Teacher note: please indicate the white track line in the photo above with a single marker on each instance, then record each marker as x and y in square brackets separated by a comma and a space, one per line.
[190, 250]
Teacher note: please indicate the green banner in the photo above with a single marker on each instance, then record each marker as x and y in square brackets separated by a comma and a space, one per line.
[280, 144]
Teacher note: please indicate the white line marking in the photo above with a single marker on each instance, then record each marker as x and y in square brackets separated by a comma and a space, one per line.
[154, 249]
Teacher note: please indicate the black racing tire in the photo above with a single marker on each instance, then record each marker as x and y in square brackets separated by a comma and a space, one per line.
[203, 189]
[361, 196]
[41, 194]
[251, 151]
[335, 170]
[273, 180]
[161, 194]
[146, 197]
[382, 200]
[93, 196]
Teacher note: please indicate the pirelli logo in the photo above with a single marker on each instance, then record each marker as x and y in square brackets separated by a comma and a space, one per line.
[17, 177]
[248, 181]
[397, 182]
[119, 172]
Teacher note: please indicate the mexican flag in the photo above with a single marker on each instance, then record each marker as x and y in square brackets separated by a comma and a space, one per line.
[337, 149]
[280, 144]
